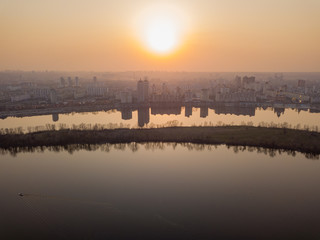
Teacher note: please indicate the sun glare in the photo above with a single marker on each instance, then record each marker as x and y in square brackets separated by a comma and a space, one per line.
[161, 36]
[161, 28]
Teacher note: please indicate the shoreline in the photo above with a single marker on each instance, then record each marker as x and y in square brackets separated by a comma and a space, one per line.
[276, 138]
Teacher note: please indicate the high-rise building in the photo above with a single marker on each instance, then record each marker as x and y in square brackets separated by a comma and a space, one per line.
[125, 97]
[143, 91]
[146, 90]
[77, 81]
[93, 90]
[70, 82]
[237, 81]
[154, 89]
[140, 90]
[53, 96]
[205, 95]
[188, 96]
[62, 82]
[165, 89]
[301, 83]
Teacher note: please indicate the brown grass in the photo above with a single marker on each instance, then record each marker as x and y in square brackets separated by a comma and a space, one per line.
[287, 139]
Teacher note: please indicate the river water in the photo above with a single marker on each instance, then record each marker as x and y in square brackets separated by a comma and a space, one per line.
[159, 191]
[167, 116]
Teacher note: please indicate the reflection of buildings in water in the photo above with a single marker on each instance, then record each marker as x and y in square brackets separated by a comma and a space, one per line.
[126, 114]
[55, 117]
[188, 111]
[166, 110]
[314, 110]
[279, 111]
[245, 111]
[204, 112]
[143, 116]
[302, 109]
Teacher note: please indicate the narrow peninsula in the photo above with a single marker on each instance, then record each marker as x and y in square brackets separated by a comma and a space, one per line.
[276, 138]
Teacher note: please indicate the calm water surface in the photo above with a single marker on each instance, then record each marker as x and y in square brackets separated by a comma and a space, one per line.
[159, 192]
[184, 116]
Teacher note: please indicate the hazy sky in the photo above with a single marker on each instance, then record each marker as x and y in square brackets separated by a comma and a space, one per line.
[214, 35]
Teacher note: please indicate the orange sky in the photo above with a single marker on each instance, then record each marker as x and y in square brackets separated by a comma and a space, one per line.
[100, 35]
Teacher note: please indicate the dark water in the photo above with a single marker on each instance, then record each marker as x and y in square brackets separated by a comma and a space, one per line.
[159, 192]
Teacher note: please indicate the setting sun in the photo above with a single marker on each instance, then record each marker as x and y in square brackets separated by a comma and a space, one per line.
[161, 36]
[161, 29]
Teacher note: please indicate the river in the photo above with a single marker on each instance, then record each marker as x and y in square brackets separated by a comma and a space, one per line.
[159, 191]
[185, 116]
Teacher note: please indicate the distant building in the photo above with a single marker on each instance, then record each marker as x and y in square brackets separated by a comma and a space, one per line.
[126, 97]
[19, 98]
[302, 83]
[94, 90]
[79, 93]
[163, 98]
[248, 80]
[237, 81]
[188, 96]
[248, 96]
[62, 82]
[165, 89]
[204, 95]
[143, 91]
[315, 99]
[178, 93]
[154, 89]
[77, 82]
[53, 96]
[140, 91]
[43, 93]
[224, 90]
[256, 86]
[70, 82]
[301, 98]
[13, 88]
[28, 85]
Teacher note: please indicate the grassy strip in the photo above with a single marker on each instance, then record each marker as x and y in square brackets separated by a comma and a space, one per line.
[287, 139]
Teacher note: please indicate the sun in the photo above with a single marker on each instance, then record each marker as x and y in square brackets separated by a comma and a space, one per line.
[161, 28]
[162, 35]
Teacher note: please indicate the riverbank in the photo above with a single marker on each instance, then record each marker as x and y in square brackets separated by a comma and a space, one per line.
[275, 138]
